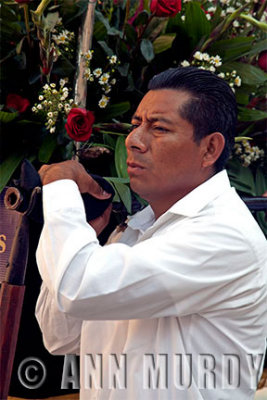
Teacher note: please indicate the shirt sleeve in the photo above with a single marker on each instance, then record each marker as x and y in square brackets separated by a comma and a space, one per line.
[178, 273]
[61, 332]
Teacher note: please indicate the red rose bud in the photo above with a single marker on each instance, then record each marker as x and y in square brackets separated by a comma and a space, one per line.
[165, 8]
[17, 102]
[79, 124]
[262, 61]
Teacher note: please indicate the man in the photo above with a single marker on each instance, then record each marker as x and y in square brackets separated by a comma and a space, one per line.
[178, 299]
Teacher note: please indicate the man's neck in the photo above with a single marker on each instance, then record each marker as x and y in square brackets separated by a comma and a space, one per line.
[161, 204]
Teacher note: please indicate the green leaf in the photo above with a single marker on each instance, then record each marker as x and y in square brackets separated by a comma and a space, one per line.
[147, 50]
[247, 114]
[117, 180]
[131, 34]
[117, 109]
[6, 117]
[230, 49]
[46, 150]
[241, 177]
[105, 47]
[124, 193]
[7, 168]
[100, 31]
[124, 69]
[261, 182]
[249, 74]
[141, 19]
[50, 21]
[256, 48]
[120, 158]
[163, 42]
[196, 24]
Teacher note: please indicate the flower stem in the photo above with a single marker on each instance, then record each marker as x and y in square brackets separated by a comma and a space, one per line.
[42, 6]
[27, 24]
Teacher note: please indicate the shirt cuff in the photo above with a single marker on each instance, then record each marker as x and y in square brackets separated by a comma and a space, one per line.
[61, 194]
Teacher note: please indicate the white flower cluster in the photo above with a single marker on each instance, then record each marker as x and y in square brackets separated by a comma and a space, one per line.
[101, 78]
[211, 63]
[64, 40]
[232, 78]
[247, 153]
[54, 103]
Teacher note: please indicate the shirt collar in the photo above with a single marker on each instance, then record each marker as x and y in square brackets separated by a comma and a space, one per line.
[188, 206]
[198, 198]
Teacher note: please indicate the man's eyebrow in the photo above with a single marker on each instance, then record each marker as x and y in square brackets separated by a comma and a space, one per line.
[153, 119]
[135, 116]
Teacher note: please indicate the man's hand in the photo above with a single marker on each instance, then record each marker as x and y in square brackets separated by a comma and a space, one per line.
[75, 171]
[100, 223]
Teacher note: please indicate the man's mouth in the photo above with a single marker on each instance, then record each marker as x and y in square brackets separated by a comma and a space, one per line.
[134, 167]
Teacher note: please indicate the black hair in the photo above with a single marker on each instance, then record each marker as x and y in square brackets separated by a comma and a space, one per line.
[211, 108]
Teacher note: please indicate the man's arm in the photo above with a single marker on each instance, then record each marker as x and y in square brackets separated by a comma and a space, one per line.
[61, 333]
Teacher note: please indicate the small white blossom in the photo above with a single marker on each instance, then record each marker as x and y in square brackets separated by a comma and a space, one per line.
[103, 101]
[238, 81]
[113, 59]
[87, 73]
[88, 55]
[107, 89]
[113, 81]
[39, 106]
[221, 75]
[211, 9]
[62, 82]
[230, 10]
[185, 63]
[217, 61]
[97, 72]
[53, 129]
[50, 114]
[236, 24]
[198, 56]
[60, 106]
[104, 79]
[41, 97]
[212, 68]
[34, 109]
[53, 85]
[206, 57]
[183, 17]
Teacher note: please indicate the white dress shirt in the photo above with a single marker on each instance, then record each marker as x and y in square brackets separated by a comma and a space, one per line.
[174, 309]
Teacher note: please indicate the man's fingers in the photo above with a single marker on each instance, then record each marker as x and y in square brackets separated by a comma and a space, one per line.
[96, 190]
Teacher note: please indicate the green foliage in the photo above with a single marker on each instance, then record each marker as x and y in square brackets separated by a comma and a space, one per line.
[144, 45]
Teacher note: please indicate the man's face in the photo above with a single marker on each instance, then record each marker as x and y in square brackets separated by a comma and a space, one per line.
[164, 161]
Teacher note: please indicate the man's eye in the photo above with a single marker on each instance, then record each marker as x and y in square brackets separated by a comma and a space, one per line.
[133, 126]
[160, 129]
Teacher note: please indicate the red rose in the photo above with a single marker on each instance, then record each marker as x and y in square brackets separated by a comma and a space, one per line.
[17, 102]
[80, 124]
[262, 61]
[165, 8]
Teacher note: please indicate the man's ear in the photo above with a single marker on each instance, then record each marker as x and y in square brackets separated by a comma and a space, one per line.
[213, 145]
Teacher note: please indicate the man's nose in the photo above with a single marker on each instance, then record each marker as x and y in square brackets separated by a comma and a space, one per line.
[136, 140]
